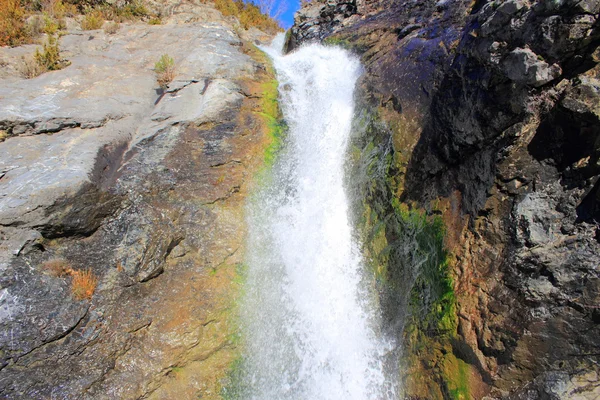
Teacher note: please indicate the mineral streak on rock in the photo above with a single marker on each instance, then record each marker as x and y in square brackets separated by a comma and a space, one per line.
[144, 188]
[491, 114]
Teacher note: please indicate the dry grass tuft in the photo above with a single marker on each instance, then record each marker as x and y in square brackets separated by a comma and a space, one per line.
[57, 267]
[155, 21]
[111, 28]
[29, 67]
[84, 284]
[3, 135]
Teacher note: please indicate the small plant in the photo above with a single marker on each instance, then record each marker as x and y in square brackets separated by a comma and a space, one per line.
[57, 267]
[165, 70]
[92, 20]
[3, 135]
[111, 28]
[84, 284]
[49, 58]
[42, 61]
[51, 26]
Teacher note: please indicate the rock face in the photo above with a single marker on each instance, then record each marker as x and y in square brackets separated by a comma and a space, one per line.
[489, 115]
[144, 188]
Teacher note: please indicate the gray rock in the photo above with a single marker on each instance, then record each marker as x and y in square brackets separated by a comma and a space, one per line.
[107, 171]
[524, 66]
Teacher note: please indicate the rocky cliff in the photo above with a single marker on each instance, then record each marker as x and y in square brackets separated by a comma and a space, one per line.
[480, 124]
[104, 175]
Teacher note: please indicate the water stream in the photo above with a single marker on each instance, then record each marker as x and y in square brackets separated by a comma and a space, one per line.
[310, 317]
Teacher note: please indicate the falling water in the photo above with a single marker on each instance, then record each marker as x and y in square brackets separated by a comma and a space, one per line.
[310, 319]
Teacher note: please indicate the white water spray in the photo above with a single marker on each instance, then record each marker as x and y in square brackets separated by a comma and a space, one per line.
[309, 319]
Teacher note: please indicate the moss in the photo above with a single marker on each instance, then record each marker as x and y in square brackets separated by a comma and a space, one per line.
[350, 42]
[269, 110]
[264, 104]
[405, 246]
[233, 385]
[456, 376]
[338, 41]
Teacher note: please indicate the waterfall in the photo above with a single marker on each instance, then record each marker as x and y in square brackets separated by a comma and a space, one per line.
[310, 319]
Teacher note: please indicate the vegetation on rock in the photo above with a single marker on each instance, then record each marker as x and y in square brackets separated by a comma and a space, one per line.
[165, 70]
[407, 253]
[49, 58]
[248, 14]
[48, 16]
[12, 25]
[92, 20]
[83, 283]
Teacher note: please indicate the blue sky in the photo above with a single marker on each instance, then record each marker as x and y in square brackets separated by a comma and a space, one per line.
[287, 19]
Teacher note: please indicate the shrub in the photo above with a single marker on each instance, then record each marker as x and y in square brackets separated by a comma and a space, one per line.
[36, 25]
[49, 59]
[111, 28]
[83, 284]
[248, 14]
[132, 10]
[51, 26]
[165, 70]
[12, 25]
[155, 21]
[92, 20]
[128, 12]
[57, 9]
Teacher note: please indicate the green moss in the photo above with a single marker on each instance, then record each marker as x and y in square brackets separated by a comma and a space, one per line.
[276, 128]
[432, 299]
[350, 41]
[234, 387]
[407, 256]
[456, 377]
[405, 245]
[338, 41]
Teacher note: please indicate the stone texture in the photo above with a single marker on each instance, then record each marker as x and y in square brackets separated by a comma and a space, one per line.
[491, 119]
[143, 187]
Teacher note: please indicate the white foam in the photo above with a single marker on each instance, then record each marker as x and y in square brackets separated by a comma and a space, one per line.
[310, 327]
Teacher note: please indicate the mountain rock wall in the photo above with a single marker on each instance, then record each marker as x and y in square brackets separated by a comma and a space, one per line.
[485, 114]
[102, 171]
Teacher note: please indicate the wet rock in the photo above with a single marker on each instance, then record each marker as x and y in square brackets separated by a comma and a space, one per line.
[499, 135]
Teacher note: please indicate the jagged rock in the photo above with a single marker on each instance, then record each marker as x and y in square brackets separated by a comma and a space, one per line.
[500, 131]
[319, 19]
[523, 66]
